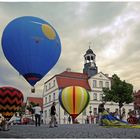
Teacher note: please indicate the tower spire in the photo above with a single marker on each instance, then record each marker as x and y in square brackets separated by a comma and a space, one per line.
[89, 44]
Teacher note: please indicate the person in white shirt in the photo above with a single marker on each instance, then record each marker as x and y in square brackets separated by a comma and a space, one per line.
[3, 123]
[37, 111]
[2, 120]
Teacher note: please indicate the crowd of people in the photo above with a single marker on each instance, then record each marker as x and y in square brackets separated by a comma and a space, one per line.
[131, 117]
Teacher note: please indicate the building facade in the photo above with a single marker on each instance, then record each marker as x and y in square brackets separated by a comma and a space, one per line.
[92, 80]
[137, 101]
[29, 102]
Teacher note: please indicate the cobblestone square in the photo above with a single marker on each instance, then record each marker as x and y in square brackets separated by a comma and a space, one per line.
[69, 131]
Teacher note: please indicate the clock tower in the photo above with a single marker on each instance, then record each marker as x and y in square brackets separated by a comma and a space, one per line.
[90, 67]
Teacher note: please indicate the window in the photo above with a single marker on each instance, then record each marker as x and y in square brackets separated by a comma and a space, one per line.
[94, 83]
[101, 97]
[53, 96]
[53, 82]
[101, 84]
[49, 85]
[107, 84]
[45, 100]
[49, 112]
[84, 112]
[49, 98]
[88, 58]
[94, 96]
[95, 111]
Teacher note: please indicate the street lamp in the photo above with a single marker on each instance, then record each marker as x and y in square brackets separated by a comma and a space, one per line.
[90, 112]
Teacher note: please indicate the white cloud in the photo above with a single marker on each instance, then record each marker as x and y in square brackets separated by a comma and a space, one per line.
[113, 28]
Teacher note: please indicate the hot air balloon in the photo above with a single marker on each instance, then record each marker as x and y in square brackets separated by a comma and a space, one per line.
[32, 46]
[10, 101]
[74, 99]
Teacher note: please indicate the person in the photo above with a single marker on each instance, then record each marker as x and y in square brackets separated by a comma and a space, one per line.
[37, 111]
[1, 118]
[87, 120]
[69, 119]
[92, 119]
[123, 117]
[64, 120]
[132, 118]
[3, 123]
[100, 111]
[53, 117]
[116, 113]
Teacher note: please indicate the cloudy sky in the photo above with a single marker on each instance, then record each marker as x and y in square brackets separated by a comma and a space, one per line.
[113, 28]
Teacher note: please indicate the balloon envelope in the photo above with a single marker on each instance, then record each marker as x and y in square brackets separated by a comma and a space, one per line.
[32, 46]
[10, 101]
[74, 100]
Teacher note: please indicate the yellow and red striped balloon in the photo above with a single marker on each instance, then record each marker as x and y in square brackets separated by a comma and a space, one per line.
[10, 101]
[74, 100]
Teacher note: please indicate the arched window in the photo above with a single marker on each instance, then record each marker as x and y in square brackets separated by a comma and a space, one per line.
[91, 57]
[88, 58]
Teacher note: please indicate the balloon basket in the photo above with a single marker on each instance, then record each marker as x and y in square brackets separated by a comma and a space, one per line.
[33, 90]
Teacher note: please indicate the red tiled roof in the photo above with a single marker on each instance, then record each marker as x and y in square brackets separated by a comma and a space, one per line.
[36, 100]
[74, 74]
[72, 79]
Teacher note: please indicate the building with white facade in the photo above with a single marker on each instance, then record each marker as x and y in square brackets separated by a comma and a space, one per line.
[92, 80]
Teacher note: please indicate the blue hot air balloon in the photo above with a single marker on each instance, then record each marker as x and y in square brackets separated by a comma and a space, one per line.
[32, 46]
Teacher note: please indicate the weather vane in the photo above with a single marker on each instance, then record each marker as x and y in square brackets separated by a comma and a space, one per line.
[90, 43]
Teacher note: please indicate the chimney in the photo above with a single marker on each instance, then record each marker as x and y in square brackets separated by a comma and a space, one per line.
[68, 69]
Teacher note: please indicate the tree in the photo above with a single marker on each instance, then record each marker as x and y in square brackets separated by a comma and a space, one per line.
[121, 92]
[30, 108]
[21, 111]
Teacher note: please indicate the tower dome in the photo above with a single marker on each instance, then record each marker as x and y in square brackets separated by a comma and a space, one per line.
[89, 51]
[90, 67]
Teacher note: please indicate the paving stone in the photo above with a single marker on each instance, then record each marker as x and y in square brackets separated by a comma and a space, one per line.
[69, 131]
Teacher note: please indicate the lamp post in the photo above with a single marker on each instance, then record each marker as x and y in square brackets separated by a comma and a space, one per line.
[90, 112]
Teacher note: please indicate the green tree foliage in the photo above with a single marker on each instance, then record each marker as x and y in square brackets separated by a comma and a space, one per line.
[30, 107]
[21, 111]
[120, 92]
